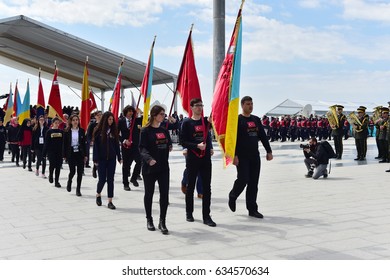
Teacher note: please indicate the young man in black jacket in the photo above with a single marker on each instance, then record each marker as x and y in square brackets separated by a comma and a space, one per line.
[247, 158]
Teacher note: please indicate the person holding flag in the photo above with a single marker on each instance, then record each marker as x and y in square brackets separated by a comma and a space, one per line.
[195, 137]
[247, 157]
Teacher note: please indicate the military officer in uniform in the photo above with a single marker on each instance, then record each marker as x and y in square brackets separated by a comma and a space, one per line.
[338, 131]
[361, 133]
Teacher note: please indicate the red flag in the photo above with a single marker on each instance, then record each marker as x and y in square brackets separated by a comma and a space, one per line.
[85, 113]
[187, 82]
[92, 102]
[16, 101]
[115, 98]
[41, 99]
[55, 98]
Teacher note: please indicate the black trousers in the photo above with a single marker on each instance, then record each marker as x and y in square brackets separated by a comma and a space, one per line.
[338, 144]
[201, 166]
[2, 148]
[163, 185]
[361, 147]
[15, 152]
[248, 172]
[378, 145]
[128, 156]
[40, 160]
[106, 172]
[384, 148]
[26, 156]
[76, 161]
[55, 161]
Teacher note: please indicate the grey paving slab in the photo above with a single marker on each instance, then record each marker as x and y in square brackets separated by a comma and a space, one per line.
[346, 216]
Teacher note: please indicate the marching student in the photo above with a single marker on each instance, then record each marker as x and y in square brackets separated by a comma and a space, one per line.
[53, 149]
[194, 137]
[13, 142]
[105, 152]
[38, 141]
[74, 151]
[155, 145]
[25, 141]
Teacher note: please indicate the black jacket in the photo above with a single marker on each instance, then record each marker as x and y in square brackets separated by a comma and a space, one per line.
[319, 153]
[35, 138]
[106, 151]
[67, 147]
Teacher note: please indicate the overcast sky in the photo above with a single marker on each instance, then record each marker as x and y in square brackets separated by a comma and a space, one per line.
[309, 49]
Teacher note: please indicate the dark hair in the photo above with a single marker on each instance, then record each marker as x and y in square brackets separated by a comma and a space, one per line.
[70, 121]
[37, 125]
[55, 119]
[314, 139]
[194, 101]
[127, 109]
[156, 109]
[102, 128]
[245, 98]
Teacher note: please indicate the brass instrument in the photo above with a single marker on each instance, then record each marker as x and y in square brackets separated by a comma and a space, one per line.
[332, 116]
[353, 119]
[377, 114]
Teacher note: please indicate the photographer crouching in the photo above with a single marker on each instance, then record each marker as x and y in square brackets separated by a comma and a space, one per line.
[316, 158]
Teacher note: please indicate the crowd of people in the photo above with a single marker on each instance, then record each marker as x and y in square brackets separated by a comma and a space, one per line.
[39, 139]
[60, 141]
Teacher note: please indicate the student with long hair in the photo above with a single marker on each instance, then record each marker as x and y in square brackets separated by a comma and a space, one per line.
[105, 152]
[155, 145]
[74, 151]
[25, 142]
[38, 141]
[53, 148]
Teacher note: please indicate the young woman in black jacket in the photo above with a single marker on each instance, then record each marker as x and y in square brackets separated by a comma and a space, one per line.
[38, 142]
[74, 151]
[155, 145]
[105, 152]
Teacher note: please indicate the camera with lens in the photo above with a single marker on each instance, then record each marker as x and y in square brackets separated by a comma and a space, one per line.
[306, 146]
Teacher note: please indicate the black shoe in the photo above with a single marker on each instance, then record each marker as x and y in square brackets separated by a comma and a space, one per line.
[162, 227]
[111, 206]
[362, 159]
[358, 158]
[338, 157]
[139, 178]
[99, 201]
[256, 214]
[325, 175]
[309, 174]
[387, 170]
[78, 193]
[57, 185]
[134, 182]
[126, 188]
[51, 179]
[150, 225]
[24, 166]
[94, 173]
[17, 164]
[383, 161]
[378, 157]
[69, 186]
[190, 218]
[30, 169]
[208, 221]
[232, 204]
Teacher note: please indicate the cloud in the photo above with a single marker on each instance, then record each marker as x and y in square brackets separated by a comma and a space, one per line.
[113, 12]
[311, 4]
[360, 9]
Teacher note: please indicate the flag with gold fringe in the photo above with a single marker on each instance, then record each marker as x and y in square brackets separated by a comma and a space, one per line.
[225, 105]
[85, 114]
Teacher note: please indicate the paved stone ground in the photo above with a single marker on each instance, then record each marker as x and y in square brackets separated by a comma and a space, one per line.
[346, 216]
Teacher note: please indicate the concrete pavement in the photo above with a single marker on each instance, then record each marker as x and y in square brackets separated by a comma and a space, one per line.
[346, 216]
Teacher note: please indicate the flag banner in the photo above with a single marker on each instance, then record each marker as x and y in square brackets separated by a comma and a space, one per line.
[92, 102]
[146, 86]
[225, 103]
[41, 99]
[17, 101]
[54, 101]
[133, 102]
[187, 81]
[115, 98]
[85, 113]
[24, 108]
[10, 106]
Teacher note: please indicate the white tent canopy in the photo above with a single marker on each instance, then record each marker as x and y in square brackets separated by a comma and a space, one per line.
[319, 108]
